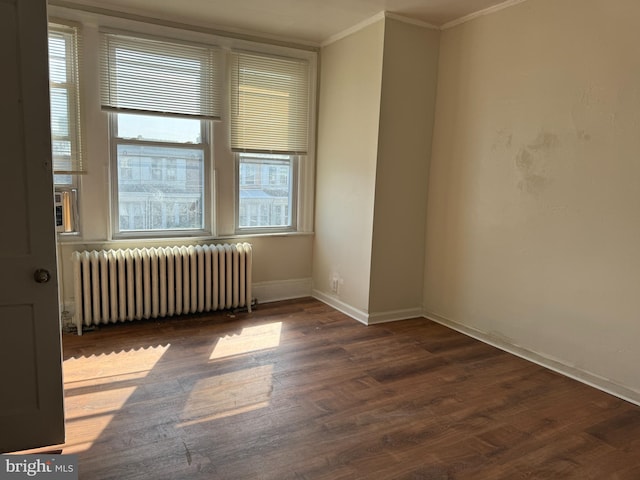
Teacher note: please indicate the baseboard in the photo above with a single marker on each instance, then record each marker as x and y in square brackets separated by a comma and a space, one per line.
[395, 315]
[274, 291]
[582, 376]
[67, 310]
[356, 314]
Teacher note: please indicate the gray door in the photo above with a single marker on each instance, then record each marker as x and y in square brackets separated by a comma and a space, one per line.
[31, 396]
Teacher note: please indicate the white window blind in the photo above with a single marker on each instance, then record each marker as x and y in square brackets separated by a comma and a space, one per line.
[66, 135]
[269, 104]
[146, 75]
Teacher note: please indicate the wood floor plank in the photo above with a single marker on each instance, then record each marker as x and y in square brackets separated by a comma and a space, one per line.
[297, 390]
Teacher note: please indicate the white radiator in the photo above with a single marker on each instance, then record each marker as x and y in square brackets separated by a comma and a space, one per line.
[132, 284]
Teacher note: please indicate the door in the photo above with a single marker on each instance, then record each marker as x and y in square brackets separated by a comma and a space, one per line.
[31, 396]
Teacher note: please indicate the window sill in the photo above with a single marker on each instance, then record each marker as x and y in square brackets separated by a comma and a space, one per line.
[69, 237]
[161, 242]
[244, 236]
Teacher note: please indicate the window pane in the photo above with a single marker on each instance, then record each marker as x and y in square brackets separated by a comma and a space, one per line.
[61, 149]
[159, 129]
[160, 188]
[265, 190]
[61, 154]
[63, 180]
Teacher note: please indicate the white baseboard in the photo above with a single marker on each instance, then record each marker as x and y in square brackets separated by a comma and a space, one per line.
[274, 291]
[395, 315]
[364, 317]
[582, 376]
[356, 314]
[67, 311]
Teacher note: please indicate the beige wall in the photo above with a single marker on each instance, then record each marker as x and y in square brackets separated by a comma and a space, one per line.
[533, 230]
[349, 106]
[409, 76]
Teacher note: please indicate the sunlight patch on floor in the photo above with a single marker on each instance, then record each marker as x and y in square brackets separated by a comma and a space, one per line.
[97, 387]
[112, 364]
[80, 386]
[101, 402]
[251, 339]
[83, 432]
[228, 394]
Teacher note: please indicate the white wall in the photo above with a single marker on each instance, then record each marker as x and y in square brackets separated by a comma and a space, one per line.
[376, 110]
[532, 226]
[349, 108]
[409, 76]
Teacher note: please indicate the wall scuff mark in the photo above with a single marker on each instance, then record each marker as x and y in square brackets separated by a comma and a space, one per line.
[531, 161]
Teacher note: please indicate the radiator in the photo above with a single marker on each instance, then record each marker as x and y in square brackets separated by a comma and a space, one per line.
[140, 283]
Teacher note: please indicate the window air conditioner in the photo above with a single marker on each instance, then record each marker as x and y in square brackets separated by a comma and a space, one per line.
[65, 201]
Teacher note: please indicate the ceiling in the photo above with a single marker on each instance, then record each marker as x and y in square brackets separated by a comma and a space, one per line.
[304, 21]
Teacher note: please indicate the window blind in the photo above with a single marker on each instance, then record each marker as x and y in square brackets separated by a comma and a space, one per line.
[144, 75]
[269, 104]
[66, 136]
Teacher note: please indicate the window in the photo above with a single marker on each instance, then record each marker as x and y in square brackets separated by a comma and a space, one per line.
[266, 191]
[203, 140]
[162, 96]
[66, 135]
[269, 133]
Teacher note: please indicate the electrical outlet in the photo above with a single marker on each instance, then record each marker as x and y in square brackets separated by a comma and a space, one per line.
[334, 283]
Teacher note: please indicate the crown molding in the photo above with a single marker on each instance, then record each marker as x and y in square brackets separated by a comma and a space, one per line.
[376, 18]
[411, 21]
[481, 13]
[351, 30]
[239, 34]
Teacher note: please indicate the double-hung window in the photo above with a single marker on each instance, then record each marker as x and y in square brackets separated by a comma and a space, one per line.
[270, 136]
[66, 135]
[65, 106]
[162, 96]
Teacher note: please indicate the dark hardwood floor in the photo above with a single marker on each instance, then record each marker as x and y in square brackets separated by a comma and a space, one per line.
[297, 390]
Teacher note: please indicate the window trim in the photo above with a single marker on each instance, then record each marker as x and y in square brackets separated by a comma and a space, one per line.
[208, 206]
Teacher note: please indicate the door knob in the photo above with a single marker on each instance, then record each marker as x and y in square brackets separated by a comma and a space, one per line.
[41, 275]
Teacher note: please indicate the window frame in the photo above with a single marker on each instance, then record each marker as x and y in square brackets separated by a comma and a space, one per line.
[207, 206]
[159, 99]
[254, 134]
